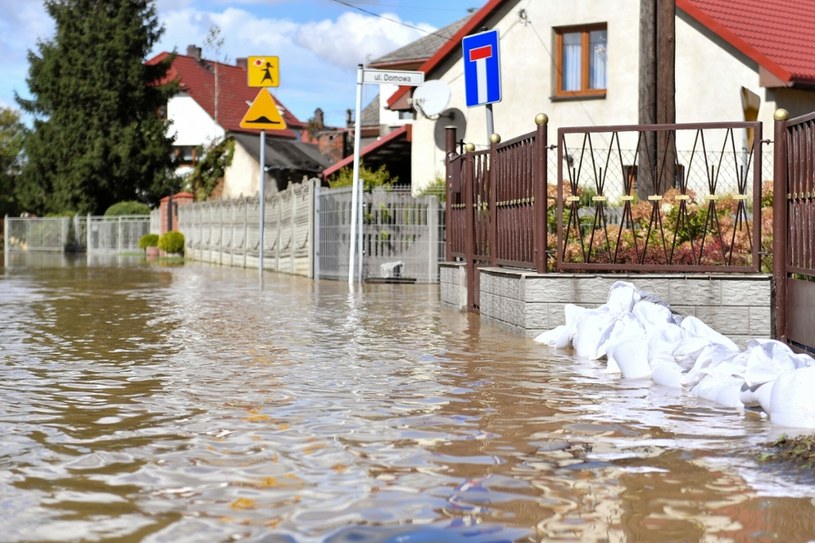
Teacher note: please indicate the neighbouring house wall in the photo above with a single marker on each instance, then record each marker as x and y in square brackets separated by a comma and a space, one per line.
[738, 306]
[241, 177]
[191, 125]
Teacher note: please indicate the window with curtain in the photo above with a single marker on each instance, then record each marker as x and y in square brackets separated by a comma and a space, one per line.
[580, 61]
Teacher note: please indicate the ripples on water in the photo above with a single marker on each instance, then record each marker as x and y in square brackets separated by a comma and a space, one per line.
[173, 404]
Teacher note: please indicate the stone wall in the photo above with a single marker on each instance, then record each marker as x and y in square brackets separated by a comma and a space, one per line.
[738, 306]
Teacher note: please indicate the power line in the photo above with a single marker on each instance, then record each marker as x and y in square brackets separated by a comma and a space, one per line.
[396, 21]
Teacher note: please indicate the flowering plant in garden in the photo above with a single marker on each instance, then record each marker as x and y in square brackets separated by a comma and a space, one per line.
[675, 229]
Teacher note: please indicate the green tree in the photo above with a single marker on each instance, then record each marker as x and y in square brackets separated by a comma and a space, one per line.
[371, 178]
[98, 137]
[12, 136]
[211, 168]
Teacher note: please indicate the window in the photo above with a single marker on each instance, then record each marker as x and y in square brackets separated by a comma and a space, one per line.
[580, 61]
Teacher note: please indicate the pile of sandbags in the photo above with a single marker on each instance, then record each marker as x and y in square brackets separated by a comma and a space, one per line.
[641, 338]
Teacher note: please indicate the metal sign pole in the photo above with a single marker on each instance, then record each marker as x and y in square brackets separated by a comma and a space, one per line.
[262, 195]
[355, 203]
[490, 125]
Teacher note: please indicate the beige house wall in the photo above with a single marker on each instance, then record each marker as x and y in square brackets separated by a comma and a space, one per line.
[710, 75]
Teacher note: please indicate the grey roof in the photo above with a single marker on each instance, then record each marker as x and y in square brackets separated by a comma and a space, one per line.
[423, 48]
[370, 115]
[285, 154]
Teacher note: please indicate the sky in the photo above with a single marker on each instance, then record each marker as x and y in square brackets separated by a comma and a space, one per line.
[319, 42]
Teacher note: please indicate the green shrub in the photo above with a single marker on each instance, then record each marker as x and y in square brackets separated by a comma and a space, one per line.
[128, 207]
[370, 178]
[171, 242]
[148, 240]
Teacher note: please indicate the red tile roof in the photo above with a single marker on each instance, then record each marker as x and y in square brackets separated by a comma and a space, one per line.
[777, 34]
[197, 78]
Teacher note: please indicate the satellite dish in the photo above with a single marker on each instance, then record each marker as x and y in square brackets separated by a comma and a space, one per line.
[449, 117]
[431, 97]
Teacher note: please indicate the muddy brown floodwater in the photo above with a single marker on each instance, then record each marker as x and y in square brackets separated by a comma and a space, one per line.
[141, 402]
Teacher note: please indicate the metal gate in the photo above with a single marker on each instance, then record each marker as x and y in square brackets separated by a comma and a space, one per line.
[794, 230]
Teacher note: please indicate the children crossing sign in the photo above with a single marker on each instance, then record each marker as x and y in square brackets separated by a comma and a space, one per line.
[263, 114]
[263, 71]
[482, 68]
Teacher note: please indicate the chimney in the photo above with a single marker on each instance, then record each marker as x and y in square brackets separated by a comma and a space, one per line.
[240, 62]
[319, 118]
[348, 119]
[194, 52]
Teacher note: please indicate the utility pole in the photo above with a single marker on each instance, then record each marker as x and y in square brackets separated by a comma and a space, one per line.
[657, 94]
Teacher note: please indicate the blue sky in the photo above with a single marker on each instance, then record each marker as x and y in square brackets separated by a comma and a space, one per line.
[319, 42]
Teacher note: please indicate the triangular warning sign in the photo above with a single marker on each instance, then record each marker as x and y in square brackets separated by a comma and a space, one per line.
[263, 114]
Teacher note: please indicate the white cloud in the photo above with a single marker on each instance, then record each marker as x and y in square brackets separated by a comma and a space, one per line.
[353, 38]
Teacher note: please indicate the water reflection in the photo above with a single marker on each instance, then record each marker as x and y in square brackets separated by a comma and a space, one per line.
[141, 402]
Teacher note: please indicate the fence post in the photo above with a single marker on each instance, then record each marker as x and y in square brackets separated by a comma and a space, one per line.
[314, 229]
[469, 218]
[541, 191]
[449, 152]
[492, 190]
[432, 222]
[6, 242]
[780, 224]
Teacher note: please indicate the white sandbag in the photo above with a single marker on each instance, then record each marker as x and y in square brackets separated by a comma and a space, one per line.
[758, 396]
[622, 296]
[625, 327]
[720, 388]
[592, 327]
[711, 356]
[664, 371]
[632, 358]
[688, 350]
[767, 359]
[558, 337]
[697, 328]
[792, 402]
[651, 314]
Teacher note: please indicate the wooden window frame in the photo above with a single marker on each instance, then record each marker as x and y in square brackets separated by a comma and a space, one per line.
[585, 32]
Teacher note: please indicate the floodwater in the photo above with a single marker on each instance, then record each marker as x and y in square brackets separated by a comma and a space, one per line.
[182, 403]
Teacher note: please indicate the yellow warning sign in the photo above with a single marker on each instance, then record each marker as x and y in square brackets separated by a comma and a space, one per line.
[262, 71]
[263, 114]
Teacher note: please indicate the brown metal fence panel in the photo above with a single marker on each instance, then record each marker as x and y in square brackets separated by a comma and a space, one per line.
[480, 193]
[664, 206]
[514, 177]
[456, 216]
[800, 195]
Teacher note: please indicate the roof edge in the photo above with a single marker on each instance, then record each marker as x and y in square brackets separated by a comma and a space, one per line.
[407, 130]
[730, 37]
[450, 45]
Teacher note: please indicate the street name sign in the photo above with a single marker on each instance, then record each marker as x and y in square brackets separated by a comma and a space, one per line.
[392, 77]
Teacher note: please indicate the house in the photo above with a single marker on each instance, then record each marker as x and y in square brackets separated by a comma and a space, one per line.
[734, 61]
[213, 97]
[386, 134]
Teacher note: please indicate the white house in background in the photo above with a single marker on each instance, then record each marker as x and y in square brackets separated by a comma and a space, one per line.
[213, 97]
[735, 60]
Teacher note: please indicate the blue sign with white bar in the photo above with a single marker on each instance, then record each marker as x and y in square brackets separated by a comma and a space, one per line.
[482, 68]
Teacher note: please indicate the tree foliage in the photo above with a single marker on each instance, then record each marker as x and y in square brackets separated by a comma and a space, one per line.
[371, 178]
[211, 168]
[12, 136]
[98, 137]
